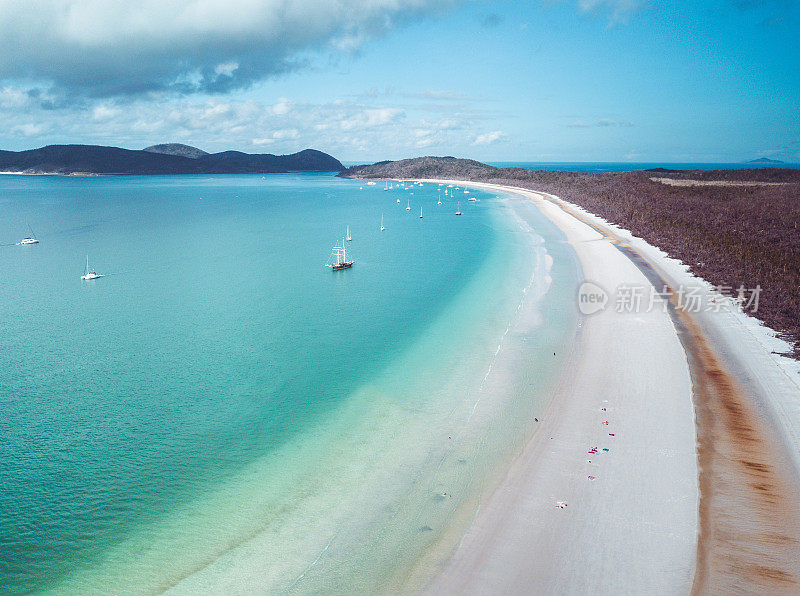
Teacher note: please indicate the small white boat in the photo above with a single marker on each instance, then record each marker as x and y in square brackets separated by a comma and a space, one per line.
[371, 183]
[382, 228]
[30, 239]
[466, 192]
[398, 200]
[408, 205]
[458, 209]
[472, 199]
[349, 237]
[90, 273]
[420, 212]
[386, 186]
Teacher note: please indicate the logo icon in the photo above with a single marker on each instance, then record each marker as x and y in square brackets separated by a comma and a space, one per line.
[591, 298]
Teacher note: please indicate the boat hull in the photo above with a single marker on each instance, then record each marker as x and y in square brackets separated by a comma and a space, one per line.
[341, 266]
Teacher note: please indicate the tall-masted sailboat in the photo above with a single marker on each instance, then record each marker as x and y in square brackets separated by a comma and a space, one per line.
[338, 259]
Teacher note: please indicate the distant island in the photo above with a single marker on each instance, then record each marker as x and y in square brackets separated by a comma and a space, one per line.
[765, 160]
[171, 158]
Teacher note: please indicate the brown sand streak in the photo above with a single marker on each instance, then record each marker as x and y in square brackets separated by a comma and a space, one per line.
[749, 511]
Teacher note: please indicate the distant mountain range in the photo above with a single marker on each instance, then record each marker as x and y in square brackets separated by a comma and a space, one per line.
[170, 158]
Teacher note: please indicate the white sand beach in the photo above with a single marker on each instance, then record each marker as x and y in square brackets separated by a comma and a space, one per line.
[643, 517]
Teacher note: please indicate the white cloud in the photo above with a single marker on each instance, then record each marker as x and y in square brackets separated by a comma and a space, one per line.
[226, 68]
[13, 97]
[102, 112]
[602, 123]
[29, 129]
[119, 47]
[619, 10]
[489, 138]
[606, 122]
[371, 117]
[341, 127]
[283, 106]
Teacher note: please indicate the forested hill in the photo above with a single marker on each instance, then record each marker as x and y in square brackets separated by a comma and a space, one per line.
[95, 159]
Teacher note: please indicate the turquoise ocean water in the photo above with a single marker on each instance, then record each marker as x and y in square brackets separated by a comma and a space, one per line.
[223, 412]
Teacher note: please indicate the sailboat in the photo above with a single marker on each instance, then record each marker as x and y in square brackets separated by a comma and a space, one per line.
[338, 259]
[349, 237]
[408, 205]
[458, 209]
[30, 239]
[90, 274]
[420, 212]
[398, 199]
[382, 228]
[385, 186]
[440, 197]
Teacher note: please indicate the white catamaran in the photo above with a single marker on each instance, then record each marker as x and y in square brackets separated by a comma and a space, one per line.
[30, 239]
[90, 273]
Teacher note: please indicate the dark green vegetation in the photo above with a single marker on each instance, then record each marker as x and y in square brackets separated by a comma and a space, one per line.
[176, 149]
[94, 159]
[729, 232]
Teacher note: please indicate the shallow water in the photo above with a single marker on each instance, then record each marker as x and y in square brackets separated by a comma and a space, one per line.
[222, 411]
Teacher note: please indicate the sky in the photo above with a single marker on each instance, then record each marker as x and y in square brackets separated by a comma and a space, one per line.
[507, 80]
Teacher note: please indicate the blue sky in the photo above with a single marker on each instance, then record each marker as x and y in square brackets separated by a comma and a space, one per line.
[549, 80]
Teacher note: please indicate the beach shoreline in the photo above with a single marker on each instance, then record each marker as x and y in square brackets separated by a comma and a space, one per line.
[548, 500]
